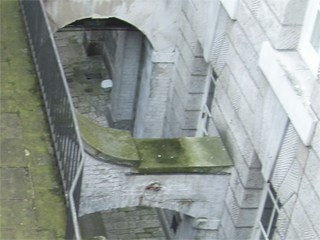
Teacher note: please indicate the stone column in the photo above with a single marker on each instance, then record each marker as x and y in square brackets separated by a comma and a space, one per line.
[127, 63]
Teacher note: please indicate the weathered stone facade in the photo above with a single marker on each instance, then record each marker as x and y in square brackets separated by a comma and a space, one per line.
[265, 105]
[110, 186]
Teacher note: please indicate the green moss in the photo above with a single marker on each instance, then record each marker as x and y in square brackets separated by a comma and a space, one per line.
[162, 151]
[110, 144]
[49, 217]
[178, 155]
[174, 155]
[41, 213]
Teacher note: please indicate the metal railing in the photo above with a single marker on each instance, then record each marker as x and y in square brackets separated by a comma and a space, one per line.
[60, 112]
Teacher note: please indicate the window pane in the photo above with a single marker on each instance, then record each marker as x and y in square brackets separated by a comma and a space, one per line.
[210, 94]
[315, 38]
[262, 237]
[273, 225]
[267, 212]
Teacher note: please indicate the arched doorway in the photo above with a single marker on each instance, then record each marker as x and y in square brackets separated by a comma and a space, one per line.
[141, 222]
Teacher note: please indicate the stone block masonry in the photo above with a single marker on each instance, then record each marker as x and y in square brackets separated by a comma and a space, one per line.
[124, 223]
[252, 118]
[107, 186]
[84, 74]
[259, 21]
[123, 96]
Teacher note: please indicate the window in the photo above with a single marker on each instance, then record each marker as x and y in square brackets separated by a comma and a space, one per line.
[309, 46]
[315, 37]
[269, 215]
[206, 124]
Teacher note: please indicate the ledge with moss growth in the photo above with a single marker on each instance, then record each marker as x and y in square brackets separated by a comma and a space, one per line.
[107, 143]
[182, 155]
[165, 155]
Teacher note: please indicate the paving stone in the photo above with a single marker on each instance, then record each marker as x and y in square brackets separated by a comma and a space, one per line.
[95, 103]
[93, 224]
[16, 213]
[25, 233]
[127, 223]
[12, 153]
[95, 98]
[14, 183]
[7, 105]
[24, 142]
[10, 125]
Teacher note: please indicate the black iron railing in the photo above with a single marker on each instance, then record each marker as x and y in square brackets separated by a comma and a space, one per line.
[58, 103]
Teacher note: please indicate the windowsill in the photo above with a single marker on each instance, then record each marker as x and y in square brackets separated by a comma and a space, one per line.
[310, 57]
[292, 82]
[231, 6]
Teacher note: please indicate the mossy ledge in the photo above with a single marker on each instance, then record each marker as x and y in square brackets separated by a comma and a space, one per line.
[182, 155]
[108, 144]
[162, 155]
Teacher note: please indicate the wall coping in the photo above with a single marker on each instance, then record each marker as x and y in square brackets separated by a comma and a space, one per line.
[174, 155]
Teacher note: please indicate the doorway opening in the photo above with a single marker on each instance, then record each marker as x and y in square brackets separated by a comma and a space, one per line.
[96, 50]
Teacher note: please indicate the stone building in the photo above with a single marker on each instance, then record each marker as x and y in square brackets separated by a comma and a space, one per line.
[246, 71]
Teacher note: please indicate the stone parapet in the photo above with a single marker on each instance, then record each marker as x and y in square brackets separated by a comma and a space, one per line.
[174, 155]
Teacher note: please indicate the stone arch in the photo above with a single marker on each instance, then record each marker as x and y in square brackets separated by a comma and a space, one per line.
[108, 186]
[157, 21]
[124, 223]
[146, 222]
[161, 34]
[121, 46]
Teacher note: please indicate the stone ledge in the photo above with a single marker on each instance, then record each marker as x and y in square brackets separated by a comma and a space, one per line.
[283, 79]
[108, 144]
[182, 155]
[174, 155]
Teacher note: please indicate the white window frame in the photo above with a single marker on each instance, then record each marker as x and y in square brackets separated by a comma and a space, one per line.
[260, 231]
[306, 50]
[206, 115]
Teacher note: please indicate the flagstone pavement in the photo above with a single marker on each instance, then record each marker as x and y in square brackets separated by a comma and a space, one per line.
[32, 200]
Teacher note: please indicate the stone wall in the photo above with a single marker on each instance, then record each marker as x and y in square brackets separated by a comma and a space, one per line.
[126, 79]
[264, 136]
[143, 91]
[107, 186]
[265, 107]
[188, 84]
[143, 15]
[142, 80]
[258, 125]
